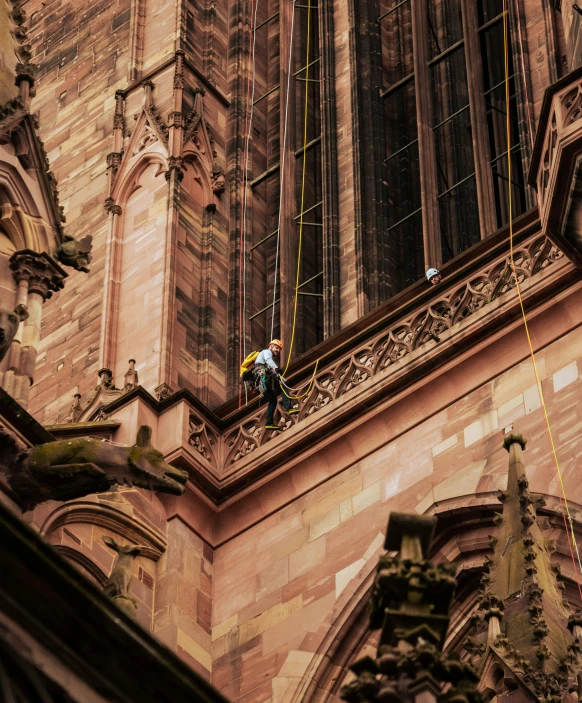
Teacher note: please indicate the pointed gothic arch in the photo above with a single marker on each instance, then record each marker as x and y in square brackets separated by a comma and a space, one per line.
[150, 164]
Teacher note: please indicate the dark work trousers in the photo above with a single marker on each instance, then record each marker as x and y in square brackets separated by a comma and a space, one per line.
[271, 395]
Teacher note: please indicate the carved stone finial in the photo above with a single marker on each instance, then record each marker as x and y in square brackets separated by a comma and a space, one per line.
[218, 179]
[575, 623]
[175, 163]
[179, 69]
[410, 602]
[106, 379]
[514, 438]
[111, 206]
[522, 597]
[131, 379]
[118, 115]
[9, 322]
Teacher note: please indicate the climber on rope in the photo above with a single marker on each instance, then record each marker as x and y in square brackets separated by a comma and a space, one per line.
[268, 380]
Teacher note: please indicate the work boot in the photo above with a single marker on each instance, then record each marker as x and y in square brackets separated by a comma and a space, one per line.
[273, 427]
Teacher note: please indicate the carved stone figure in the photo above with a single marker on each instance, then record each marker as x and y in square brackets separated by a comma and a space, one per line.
[72, 468]
[131, 380]
[118, 583]
[9, 322]
[218, 179]
[75, 253]
[76, 410]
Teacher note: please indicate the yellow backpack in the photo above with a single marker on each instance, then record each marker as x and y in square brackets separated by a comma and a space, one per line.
[248, 362]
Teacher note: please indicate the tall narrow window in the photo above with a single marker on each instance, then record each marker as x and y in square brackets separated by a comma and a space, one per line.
[425, 53]
[492, 45]
[451, 124]
[265, 167]
[302, 131]
[308, 191]
[402, 159]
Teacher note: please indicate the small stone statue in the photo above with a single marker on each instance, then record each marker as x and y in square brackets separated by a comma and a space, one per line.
[75, 253]
[130, 378]
[118, 583]
[9, 322]
[218, 179]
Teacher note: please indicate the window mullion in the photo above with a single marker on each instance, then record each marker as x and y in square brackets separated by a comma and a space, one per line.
[477, 109]
[426, 145]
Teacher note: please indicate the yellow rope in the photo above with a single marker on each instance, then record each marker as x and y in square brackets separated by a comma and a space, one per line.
[302, 207]
[297, 397]
[512, 262]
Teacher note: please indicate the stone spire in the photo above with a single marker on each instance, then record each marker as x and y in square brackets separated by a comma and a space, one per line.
[410, 602]
[528, 643]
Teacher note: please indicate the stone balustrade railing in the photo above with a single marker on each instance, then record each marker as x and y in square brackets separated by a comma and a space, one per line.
[388, 351]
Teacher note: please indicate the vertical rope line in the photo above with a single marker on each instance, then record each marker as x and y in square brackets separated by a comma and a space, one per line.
[532, 354]
[246, 165]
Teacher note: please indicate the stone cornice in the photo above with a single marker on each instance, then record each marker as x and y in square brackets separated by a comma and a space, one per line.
[347, 340]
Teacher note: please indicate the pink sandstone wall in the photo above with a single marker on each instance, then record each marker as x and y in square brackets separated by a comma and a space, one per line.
[251, 597]
[139, 317]
[251, 601]
[280, 585]
[85, 53]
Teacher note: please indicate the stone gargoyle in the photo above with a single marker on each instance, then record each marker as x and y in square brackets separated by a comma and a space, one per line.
[73, 468]
[75, 253]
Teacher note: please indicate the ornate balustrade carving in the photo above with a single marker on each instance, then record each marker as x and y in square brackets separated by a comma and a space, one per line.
[398, 341]
[219, 445]
[203, 439]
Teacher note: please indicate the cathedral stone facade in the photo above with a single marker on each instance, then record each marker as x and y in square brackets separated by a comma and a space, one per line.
[180, 182]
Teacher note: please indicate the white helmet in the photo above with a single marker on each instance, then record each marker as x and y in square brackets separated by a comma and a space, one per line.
[431, 273]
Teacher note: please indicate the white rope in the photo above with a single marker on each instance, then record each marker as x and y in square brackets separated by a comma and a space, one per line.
[282, 171]
[248, 139]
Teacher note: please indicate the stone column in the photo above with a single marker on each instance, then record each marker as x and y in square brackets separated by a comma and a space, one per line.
[37, 276]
